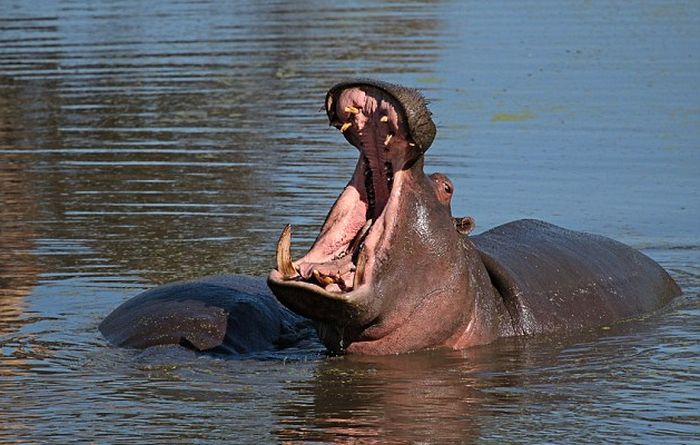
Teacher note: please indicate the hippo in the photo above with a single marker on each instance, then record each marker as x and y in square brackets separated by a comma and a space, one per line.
[392, 271]
[219, 314]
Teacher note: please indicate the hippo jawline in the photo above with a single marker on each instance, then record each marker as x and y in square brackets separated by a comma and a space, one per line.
[333, 282]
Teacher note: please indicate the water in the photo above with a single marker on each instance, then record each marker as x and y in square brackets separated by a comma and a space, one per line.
[146, 142]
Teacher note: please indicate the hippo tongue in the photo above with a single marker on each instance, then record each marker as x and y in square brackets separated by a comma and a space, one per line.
[341, 267]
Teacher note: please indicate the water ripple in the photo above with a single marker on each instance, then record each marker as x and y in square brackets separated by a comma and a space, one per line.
[146, 142]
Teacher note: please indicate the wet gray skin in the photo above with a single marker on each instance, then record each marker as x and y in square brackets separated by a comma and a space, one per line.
[391, 270]
[221, 314]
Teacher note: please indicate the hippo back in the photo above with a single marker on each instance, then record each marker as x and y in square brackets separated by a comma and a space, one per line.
[554, 279]
[230, 314]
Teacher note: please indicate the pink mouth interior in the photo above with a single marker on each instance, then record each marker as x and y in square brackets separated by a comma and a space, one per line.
[358, 222]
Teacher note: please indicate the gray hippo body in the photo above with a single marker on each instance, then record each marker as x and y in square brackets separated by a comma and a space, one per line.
[553, 279]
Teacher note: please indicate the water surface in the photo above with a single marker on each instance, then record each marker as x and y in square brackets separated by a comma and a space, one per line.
[146, 142]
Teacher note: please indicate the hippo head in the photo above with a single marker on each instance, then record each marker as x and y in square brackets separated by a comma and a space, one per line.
[388, 272]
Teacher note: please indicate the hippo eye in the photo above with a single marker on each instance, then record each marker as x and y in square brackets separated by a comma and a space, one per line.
[448, 188]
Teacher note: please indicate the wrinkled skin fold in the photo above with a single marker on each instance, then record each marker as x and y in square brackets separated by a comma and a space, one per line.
[393, 271]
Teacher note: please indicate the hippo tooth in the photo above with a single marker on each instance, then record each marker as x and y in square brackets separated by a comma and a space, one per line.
[323, 279]
[345, 126]
[359, 269]
[384, 119]
[284, 253]
[352, 110]
[388, 138]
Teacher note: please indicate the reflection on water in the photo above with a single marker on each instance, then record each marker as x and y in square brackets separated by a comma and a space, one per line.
[146, 142]
[538, 390]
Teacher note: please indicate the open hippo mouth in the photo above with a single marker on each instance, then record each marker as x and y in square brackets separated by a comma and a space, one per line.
[391, 127]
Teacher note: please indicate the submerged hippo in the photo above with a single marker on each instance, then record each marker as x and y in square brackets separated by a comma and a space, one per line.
[392, 271]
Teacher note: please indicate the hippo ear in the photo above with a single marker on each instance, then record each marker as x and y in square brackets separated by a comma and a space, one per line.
[465, 224]
[414, 107]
